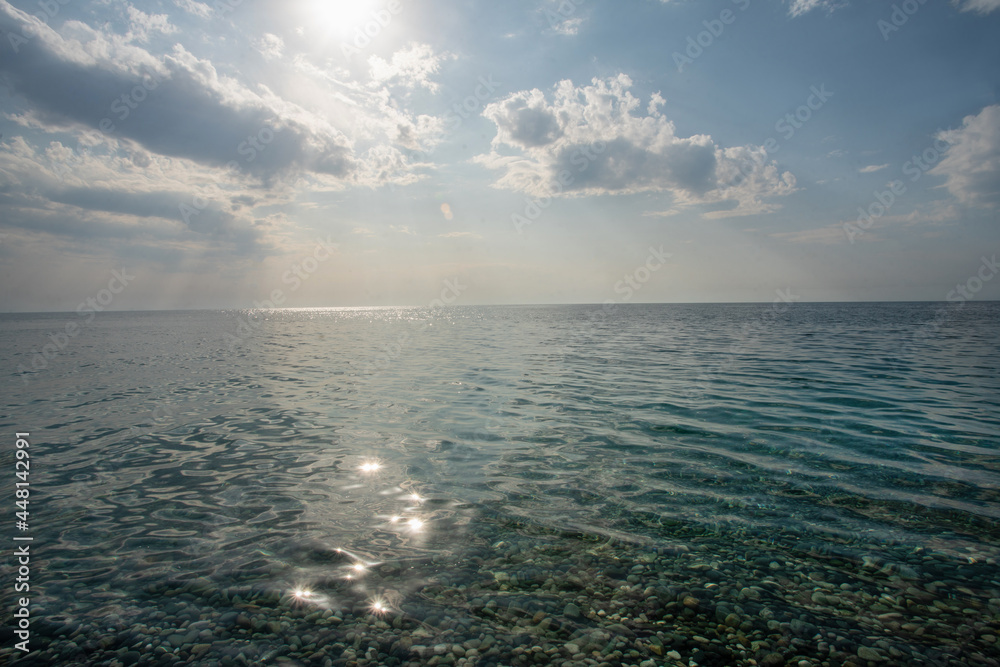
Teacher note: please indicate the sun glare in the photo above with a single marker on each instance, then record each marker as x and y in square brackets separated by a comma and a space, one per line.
[343, 16]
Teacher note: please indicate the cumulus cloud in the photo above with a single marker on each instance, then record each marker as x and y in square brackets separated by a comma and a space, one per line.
[872, 168]
[177, 105]
[971, 163]
[590, 140]
[142, 25]
[130, 197]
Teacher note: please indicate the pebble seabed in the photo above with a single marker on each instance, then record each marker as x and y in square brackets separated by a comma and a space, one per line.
[527, 595]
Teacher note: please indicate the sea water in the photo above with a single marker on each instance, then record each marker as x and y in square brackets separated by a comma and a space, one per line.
[509, 485]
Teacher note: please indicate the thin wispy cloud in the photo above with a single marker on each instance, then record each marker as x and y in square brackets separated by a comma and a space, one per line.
[978, 6]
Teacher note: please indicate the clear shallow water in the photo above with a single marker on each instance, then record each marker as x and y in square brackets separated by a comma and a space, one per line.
[447, 451]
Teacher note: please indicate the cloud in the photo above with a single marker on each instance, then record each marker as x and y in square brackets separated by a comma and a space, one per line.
[589, 140]
[410, 67]
[971, 163]
[831, 234]
[978, 6]
[800, 7]
[122, 196]
[931, 216]
[872, 167]
[199, 9]
[460, 235]
[142, 25]
[569, 26]
[560, 16]
[270, 46]
[177, 105]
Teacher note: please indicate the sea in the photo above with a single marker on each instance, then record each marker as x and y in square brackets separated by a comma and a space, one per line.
[644, 484]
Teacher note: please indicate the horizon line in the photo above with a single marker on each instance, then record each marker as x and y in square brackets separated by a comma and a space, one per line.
[492, 305]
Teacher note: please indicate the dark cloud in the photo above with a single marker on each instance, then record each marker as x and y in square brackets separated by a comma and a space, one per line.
[179, 108]
[534, 127]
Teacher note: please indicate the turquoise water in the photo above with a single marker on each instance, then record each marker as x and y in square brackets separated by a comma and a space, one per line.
[716, 484]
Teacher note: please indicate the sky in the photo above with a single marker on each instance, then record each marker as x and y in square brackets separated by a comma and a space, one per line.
[238, 153]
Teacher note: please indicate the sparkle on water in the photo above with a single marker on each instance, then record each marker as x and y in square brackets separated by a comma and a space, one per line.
[855, 433]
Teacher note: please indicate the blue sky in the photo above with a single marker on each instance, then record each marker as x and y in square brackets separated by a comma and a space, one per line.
[357, 153]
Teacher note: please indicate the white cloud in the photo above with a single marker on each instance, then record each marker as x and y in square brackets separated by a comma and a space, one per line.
[800, 7]
[972, 161]
[979, 6]
[196, 8]
[561, 16]
[142, 25]
[569, 26]
[589, 140]
[270, 46]
[410, 67]
[872, 167]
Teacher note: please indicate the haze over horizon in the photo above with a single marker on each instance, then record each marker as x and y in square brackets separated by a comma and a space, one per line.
[373, 153]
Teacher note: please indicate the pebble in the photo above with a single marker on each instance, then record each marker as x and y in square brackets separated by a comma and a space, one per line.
[868, 653]
[702, 604]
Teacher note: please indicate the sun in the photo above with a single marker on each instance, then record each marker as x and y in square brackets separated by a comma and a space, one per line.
[340, 16]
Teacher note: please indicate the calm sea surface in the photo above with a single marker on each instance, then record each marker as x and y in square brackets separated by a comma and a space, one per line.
[508, 485]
